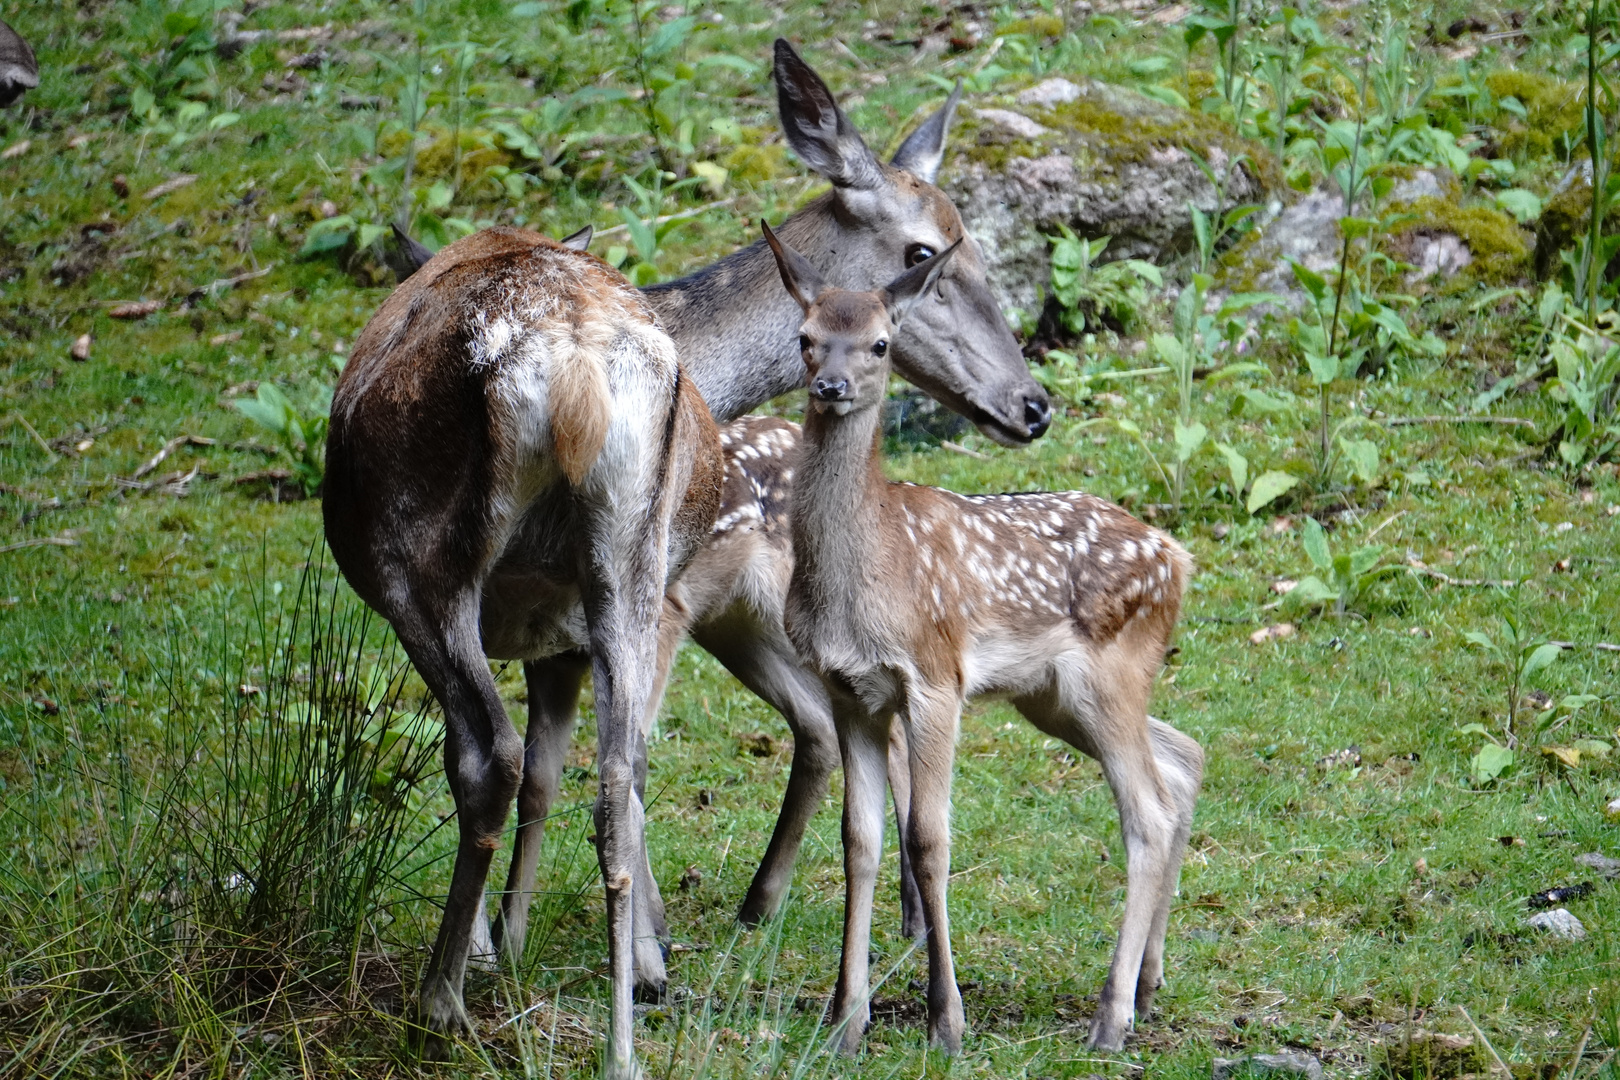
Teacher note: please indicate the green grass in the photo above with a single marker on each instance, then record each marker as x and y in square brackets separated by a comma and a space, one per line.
[1327, 909]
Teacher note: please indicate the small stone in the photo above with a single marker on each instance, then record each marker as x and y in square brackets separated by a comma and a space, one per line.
[81, 348]
[1050, 92]
[16, 149]
[329, 209]
[1560, 923]
[138, 309]
[1014, 123]
[1220, 530]
[1612, 811]
[1592, 860]
[1287, 1063]
[1272, 633]
[171, 185]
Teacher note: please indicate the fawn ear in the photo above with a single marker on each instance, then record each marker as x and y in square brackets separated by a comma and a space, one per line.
[407, 256]
[817, 128]
[578, 241]
[911, 286]
[803, 281]
[924, 148]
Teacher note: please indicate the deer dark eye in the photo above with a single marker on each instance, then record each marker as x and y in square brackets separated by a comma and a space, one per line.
[881, 347]
[804, 343]
[917, 253]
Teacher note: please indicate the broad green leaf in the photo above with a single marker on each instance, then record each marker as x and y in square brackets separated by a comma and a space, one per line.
[1258, 401]
[1267, 487]
[1162, 93]
[1474, 729]
[223, 120]
[527, 10]
[1188, 306]
[1313, 283]
[1552, 302]
[328, 235]
[1237, 465]
[1169, 349]
[1576, 702]
[1365, 558]
[1523, 205]
[1129, 427]
[670, 36]
[369, 234]
[1324, 368]
[1188, 439]
[1491, 762]
[1232, 371]
[1539, 659]
[1310, 592]
[616, 255]
[1362, 457]
[1596, 749]
[1316, 545]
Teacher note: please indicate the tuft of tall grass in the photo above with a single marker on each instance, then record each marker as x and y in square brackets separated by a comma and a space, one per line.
[192, 874]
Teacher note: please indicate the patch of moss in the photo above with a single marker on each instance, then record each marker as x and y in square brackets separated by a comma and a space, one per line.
[1564, 220]
[1498, 246]
[756, 161]
[1042, 26]
[478, 154]
[1552, 108]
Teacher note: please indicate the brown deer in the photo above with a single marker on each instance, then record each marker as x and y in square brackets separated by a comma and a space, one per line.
[517, 465]
[437, 528]
[910, 600]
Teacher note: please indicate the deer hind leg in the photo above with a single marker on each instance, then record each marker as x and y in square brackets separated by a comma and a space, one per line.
[863, 740]
[1181, 764]
[931, 724]
[1098, 704]
[913, 924]
[483, 763]
[554, 685]
[765, 661]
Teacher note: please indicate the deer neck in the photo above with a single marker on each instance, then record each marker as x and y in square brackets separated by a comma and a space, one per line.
[735, 327]
[838, 492]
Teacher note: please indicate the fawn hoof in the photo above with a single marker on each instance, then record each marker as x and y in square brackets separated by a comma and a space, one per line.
[913, 926]
[622, 1070]
[1107, 1035]
[755, 911]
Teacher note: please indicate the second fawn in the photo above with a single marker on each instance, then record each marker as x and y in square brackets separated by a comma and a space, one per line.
[910, 600]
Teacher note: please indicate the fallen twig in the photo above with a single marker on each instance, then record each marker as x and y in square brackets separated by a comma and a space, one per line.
[1467, 583]
[1500, 1064]
[682, 216]
[1600, 646]
[1511, 421]
[168, 448]
[19, 418]
[958, 448]
[43, 541]
[1575, 1058]
[214, 288]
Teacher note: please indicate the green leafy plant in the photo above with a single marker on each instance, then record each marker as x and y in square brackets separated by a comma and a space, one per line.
[1345, 577]
[302, 435]
[1086, 290]
[1523, 654]
[1491, 760]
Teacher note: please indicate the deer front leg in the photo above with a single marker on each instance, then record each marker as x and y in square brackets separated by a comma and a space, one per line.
[483, 760]
[1181, 763]
[931, 738]
[864, 741]
[554, 686]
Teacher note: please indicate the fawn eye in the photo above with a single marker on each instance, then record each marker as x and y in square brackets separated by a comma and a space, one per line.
[880, 347]
[917, 253]
[804, 342]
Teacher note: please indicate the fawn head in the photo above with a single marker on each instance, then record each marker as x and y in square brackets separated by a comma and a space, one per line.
[846, 335]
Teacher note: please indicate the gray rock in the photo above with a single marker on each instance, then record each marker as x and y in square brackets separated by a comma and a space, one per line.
[1287, 1063]
[1592, 860]
[1308, 233]
[1102, 160]
[1050, 92]
[1559, 923]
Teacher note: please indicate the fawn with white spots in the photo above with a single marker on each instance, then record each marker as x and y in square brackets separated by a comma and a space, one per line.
[910, 600]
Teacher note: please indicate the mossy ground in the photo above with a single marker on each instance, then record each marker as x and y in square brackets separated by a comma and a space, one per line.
[1323, 908]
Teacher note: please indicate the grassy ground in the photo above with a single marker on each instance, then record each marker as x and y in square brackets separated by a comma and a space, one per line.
[174, 906]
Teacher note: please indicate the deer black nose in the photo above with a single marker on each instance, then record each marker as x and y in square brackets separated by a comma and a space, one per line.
[828, 390]
[1038, 415]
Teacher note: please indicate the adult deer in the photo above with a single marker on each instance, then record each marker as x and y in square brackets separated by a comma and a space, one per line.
[19, 71]
[396, 464]
[910, 600]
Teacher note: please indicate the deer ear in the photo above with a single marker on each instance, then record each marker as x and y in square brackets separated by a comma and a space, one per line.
[817, 128]
[904, 291]
[578, 241]
[924, 148]
[803, 281]
[407, 256]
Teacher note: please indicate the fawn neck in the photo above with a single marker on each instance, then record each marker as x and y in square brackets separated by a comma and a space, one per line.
[838, 492]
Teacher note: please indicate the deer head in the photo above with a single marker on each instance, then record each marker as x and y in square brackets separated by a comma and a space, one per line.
[845, 338]
[890, 218]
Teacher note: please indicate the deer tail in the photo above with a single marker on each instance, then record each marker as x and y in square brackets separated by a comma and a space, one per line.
[581, 402]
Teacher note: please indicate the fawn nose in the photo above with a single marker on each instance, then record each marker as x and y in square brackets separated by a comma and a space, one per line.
[1038, 415]
[830, 390]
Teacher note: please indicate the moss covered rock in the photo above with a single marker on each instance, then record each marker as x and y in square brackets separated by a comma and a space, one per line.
[1442, 237]
[1103, 160]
